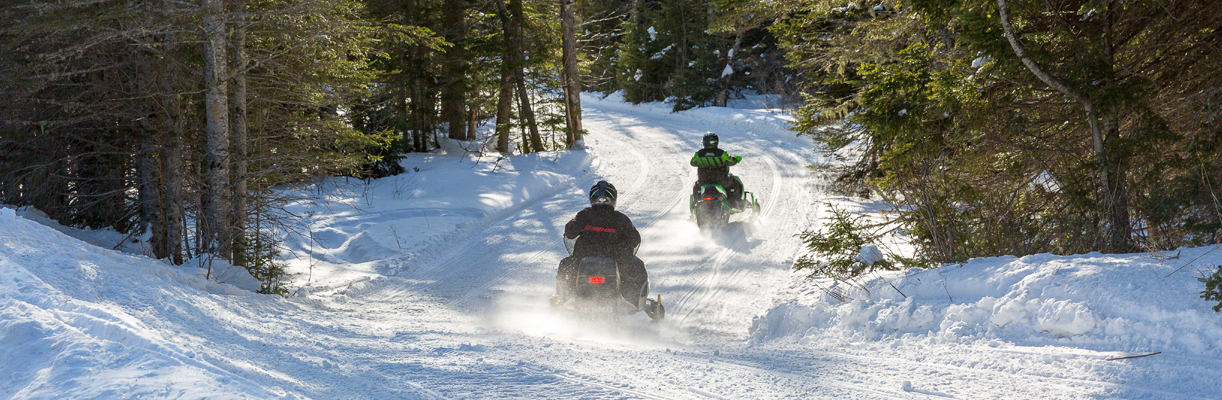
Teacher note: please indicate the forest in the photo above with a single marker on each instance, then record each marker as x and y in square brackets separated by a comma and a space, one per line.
[990, 127]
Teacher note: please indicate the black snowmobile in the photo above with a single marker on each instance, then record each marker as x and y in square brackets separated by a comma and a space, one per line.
[595, 291]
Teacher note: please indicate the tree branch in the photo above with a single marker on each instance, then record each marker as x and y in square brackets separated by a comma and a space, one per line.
[1087, 105]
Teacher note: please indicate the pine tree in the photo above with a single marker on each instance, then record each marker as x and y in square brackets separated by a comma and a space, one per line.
[982, 155]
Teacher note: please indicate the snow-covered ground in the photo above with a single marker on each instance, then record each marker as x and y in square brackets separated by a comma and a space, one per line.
[433, 284]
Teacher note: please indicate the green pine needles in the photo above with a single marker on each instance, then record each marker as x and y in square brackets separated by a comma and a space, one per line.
[841, 250]
[1213, 288]
[936, 111]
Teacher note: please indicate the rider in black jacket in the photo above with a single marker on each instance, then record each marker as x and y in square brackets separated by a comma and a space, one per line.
[603, 232]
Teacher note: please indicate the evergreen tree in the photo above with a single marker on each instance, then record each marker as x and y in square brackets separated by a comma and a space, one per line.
[691, 53]
[982, 155]
[122, 108]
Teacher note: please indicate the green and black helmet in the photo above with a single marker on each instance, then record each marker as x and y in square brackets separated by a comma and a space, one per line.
[710, 140]
[603, 194]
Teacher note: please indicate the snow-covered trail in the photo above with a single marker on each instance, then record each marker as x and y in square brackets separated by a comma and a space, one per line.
[472, 321]
[710, 281]
[488, 293]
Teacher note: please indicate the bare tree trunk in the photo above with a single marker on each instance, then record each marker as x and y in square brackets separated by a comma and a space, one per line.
[152, 201]
[147, 183]
[146, 168]
[1120, 228]
[216, 91]
[429, 114]
[504, 109]
[240, 138]
[724, 86]
[402, 96]
[418, 104]
[174, 177]
[504, 102]
[572, 81]
[454, 70]
[517, 22]
[683, 46]
[527, 113]
[472, 111]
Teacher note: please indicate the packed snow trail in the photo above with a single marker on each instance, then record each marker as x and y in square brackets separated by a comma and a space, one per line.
[514, 261]
[500, 278]
[466, 316]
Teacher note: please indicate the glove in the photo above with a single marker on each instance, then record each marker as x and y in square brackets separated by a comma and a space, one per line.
[738, 159]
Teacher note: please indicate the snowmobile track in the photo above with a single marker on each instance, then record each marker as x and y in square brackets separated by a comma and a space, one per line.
[551, 246]
[586, 381]
[798, 379]
[909, 366]
[708, 284]
[447, 251]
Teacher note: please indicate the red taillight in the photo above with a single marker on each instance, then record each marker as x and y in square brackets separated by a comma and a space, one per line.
[597, 279]
[708, 199]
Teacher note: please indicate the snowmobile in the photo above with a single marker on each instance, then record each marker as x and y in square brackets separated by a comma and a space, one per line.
[712, 206]
[595, 291]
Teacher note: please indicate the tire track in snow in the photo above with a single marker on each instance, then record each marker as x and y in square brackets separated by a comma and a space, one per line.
[801, 380]
[715, 291]
[906, 367]
[640, 181]
[1042, 380]
[587, 381]
[498, 219]
[708, 285]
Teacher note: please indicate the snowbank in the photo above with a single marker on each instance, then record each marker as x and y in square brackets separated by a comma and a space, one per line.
[1103, 302]
[64, 335]
[106, 238]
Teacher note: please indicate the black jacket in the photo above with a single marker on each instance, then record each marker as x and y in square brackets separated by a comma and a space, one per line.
[602, 231]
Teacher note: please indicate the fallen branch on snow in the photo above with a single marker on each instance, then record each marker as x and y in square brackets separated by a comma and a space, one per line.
[1123, 358]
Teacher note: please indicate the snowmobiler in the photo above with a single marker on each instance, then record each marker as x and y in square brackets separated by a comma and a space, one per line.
[602, 274]
[717, 193]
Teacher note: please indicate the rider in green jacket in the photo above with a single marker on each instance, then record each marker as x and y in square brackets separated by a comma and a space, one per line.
[713, 166]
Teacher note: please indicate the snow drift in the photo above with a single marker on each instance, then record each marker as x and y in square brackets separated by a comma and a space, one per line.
[63, 336]
[1127, 303]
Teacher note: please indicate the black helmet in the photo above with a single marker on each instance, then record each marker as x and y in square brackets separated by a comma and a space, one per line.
[710, 140]
[603, 194]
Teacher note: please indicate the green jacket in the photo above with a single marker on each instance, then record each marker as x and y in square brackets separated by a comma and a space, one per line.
[714, 158]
